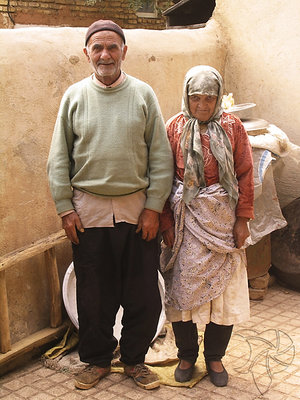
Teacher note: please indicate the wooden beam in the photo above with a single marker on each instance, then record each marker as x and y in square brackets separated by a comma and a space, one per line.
[32, 342]
[54, 285]
[5, 344]
[195, 26]
[32, 250]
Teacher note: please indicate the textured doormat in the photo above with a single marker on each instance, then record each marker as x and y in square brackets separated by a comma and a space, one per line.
[161, 357]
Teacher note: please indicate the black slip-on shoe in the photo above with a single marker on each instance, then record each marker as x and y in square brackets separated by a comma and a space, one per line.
[217, 378]
[184, 375]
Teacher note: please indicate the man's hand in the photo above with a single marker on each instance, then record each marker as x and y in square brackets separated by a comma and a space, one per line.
[240, 231]
[148, 223]
[169, 236]
[70, 223]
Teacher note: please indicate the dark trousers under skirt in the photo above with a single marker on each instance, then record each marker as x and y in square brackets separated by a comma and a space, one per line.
[216, 339]
[113, 267]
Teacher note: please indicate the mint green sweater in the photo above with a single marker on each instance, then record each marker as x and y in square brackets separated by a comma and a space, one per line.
[110, 142]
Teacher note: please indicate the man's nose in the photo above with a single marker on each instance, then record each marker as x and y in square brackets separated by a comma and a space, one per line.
[105, 54]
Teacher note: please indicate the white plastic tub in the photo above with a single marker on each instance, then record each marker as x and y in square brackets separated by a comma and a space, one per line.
[69, 298]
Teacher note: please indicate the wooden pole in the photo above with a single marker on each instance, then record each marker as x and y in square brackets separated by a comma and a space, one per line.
[5, 344]
[54, 285]
[47, 246]
[32, 250]
[29, 345]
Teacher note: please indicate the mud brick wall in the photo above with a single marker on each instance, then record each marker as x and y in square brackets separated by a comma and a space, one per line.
[77, 13]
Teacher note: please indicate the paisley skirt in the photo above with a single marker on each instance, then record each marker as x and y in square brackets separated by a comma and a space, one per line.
[205, 274]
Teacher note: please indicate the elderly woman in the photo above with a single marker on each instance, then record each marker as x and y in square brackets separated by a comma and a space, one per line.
[205, 225]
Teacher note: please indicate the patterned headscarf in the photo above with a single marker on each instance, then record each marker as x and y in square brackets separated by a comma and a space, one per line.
[205, 80]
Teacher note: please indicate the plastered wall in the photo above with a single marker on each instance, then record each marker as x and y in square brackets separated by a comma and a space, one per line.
[263, 66]
[36, 66]
[255, 46]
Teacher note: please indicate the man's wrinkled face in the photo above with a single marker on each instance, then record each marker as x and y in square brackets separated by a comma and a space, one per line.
[105, 51]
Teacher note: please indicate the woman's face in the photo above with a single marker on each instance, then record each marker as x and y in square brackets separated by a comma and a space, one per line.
[202, 106]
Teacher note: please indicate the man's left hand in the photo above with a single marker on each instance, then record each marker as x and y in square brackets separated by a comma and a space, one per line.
[240, 231]
[148, 223]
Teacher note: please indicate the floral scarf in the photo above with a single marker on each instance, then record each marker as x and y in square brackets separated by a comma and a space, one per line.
[206, 80]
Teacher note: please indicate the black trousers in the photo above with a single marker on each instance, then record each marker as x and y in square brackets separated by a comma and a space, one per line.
[113, 267]
[216, 339]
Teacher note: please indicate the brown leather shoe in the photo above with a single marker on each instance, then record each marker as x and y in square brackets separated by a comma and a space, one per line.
[142, 376]
[90, 376]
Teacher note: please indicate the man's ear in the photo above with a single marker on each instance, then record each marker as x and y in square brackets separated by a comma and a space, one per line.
[86, 53]
[124, 52]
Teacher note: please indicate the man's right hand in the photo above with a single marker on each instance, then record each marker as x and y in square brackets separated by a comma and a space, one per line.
[70, 223]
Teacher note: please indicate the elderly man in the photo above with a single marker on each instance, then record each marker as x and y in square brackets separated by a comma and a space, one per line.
[110, 171]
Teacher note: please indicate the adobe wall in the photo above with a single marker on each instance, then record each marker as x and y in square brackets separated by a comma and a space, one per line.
[262, 67]
[37, 65]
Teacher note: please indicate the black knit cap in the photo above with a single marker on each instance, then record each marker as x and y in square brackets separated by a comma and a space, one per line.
[104, 25]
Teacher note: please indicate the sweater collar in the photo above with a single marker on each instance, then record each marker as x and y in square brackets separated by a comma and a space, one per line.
[120, 80]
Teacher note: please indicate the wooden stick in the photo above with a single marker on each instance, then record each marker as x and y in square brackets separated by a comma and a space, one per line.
[54, 285]
[5, 344]
[32, 250]
[34, 341]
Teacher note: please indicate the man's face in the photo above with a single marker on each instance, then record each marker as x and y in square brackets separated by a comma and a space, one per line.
[105, 52]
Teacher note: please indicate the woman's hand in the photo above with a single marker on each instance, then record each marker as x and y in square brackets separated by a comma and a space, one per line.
[169, 237]
[240, 231]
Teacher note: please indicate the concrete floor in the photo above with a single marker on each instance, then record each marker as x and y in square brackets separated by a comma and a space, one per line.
[262, 360]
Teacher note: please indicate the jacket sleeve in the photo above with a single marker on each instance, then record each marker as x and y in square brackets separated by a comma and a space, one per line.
[173, 132]
[243, 163]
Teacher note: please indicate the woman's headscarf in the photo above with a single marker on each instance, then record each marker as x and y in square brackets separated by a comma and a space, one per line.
[205, 80]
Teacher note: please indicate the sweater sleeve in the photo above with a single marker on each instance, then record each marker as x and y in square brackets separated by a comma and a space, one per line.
[59, 164]
[160, 160]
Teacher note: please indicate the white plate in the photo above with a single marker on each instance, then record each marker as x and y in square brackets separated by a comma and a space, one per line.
[254, 124]
[69, 298]
[240, 107]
